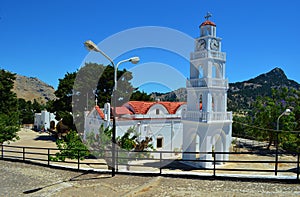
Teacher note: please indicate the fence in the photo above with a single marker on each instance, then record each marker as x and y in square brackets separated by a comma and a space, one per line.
[266, 165]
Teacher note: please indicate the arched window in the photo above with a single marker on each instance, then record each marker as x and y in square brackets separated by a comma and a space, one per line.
[212, 103]
[200, 102]
[214, 71]
[201, 74]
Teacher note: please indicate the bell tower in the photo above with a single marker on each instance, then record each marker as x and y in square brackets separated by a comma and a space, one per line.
[206, 123]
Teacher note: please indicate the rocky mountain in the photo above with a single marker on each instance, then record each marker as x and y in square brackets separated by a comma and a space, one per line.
[30, 88]
[176, 95]
[242, 94]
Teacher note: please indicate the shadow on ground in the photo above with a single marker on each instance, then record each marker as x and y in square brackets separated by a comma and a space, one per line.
[172, 165]
[46, 138]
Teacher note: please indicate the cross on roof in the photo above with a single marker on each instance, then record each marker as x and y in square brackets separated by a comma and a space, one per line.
[208, 15]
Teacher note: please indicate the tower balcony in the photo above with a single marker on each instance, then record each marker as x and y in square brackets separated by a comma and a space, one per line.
[199, 116]
[208, 54]
[207, 82]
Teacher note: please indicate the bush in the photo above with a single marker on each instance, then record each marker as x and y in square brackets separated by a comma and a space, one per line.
[8, 128]
[70, 147]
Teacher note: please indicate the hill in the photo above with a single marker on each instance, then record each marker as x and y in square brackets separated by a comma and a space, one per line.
[242, 94]
[30, 88]
[176, 95]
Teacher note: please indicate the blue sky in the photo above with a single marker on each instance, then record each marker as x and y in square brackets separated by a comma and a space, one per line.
[44, 39]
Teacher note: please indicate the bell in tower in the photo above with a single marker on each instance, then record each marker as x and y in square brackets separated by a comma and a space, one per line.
[208, 28]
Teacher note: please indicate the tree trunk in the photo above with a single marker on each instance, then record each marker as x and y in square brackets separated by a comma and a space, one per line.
[271, 140]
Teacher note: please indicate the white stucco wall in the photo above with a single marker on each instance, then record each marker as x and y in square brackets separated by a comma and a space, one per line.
[43, 120]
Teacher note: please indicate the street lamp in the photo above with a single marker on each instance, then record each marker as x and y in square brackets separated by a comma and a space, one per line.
[91, 46]
[285, 113]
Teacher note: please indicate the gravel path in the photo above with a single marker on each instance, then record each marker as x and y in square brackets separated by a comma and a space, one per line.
[17, 179]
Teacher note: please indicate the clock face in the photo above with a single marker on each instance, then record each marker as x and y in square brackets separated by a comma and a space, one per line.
[214, 44]
[201, 44]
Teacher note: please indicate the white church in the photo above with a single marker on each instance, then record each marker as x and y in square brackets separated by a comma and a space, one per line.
[201, 124]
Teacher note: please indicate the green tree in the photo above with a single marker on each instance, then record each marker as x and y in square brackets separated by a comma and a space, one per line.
[239, 128]
[70, 147]
[62, 106]
[8, 127]
[27, 110]
[100, 144]
[140, 96]
[97, 79]
[77, 91]
[37, 107]
[26, 113]
[129, 140]
[9, 115]
[266, 111]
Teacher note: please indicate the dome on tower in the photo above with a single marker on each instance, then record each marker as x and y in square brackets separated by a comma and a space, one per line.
[208, 22]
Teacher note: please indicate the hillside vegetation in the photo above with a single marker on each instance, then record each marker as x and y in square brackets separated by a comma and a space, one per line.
[32, 88]
[241, 95]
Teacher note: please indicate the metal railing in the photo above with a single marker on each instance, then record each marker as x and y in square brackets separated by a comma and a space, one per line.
[207, 82]
[209, 54]
[200, 116]
[161, 162]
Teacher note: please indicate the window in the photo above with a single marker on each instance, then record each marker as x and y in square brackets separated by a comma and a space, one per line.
[201, 73]
[159, 142]
[200, 103]
[214, 71]
[212, 103]
[157, 111]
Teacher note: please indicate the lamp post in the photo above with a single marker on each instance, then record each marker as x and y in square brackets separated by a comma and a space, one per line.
[91, 46]
[285, 113]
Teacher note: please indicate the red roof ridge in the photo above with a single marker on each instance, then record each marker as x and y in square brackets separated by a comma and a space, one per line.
[171, 106]
[122, 110]
[208, 22]
[100, 112]
[142, 107]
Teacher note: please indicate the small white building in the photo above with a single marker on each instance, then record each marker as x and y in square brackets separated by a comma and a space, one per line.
[159, 120]
[44, 120]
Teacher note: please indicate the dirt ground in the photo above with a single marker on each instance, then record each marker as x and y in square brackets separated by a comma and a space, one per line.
[19, 179]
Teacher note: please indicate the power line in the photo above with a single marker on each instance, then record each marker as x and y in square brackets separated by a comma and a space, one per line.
[265, 129]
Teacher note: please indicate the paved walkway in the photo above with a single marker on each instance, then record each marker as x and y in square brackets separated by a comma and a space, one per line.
[18, 179]
[34, 139]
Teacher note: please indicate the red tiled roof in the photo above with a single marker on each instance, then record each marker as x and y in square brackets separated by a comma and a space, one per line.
[123, 110]
[100, 112]
[142, 107]
[171, 106]
[208, 23]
